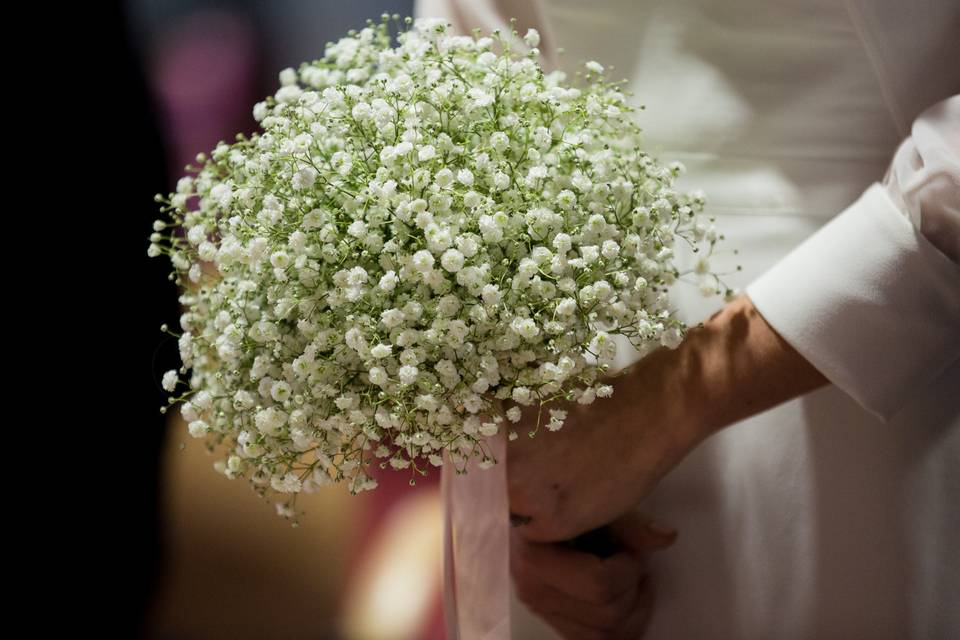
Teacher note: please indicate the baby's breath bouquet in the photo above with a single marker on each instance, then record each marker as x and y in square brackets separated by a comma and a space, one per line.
[423, 236]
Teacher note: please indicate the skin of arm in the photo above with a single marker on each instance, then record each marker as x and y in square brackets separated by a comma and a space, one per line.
[610, 454]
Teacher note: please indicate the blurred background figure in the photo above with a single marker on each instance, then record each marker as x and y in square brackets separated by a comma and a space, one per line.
[212, 560]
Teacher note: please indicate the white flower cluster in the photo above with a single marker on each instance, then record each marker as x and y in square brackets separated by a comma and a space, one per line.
[422, 237]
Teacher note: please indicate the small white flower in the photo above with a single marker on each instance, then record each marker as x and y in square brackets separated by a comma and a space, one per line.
[381, 350]
[491, 294]
[537, 172]
[557, 418]
[198, 428]
[170, 379]
[388, 282]
[501, 181]
[486, 59]
[392, 318]
[610, 249]
[408, 374]
[378, 376]
[444, 177]
[594, 66]
[243, 400]
[452, 260]
[270, 421]
[587, 397]
[280, 259]
[235, 464]
[289, 483]
[671, 338]
[289, 76]
[361, 111]
[280, 391]
[304, 178]
[566, 199]
[566, 307]
[521, 395]
[562, 242]
[423, 260]
[488, 429]
[472, 199]
[499, 140]
[188, 412]
[203, 400]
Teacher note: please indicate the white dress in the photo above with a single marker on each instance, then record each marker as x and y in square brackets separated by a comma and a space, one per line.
[836, 515]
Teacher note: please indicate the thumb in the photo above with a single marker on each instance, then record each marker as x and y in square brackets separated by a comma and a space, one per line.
[640, 533]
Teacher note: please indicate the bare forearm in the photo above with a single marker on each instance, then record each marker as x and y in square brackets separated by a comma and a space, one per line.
[732, 367]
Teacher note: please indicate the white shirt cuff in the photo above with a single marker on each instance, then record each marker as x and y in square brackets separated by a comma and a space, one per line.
[869, 302]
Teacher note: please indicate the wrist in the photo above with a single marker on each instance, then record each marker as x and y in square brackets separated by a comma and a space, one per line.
[655, 400]
[730, 367]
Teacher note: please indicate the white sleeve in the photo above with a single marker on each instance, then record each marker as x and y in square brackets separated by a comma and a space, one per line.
[872, 299]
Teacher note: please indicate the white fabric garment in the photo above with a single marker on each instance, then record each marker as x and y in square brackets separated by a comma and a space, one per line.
[823, 136]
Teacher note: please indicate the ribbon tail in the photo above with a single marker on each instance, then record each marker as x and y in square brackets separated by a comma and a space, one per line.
[476, 548]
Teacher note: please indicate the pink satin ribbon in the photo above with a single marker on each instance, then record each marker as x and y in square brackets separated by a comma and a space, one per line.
[476, 549]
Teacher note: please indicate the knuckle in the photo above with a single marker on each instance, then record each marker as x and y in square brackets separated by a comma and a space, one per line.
[540, 507]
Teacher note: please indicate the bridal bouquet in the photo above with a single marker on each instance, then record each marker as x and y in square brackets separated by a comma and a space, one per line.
[423, 237]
